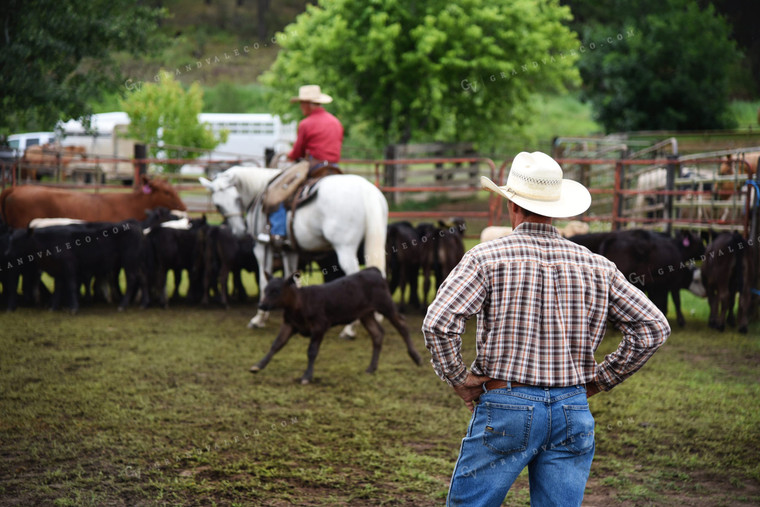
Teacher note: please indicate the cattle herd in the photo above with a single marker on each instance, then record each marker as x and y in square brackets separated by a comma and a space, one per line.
[86, 260]
[126, 263]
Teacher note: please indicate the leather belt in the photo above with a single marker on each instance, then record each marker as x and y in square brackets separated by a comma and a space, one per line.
[501, 384]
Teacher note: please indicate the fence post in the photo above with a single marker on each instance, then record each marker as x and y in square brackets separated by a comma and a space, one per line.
[673, 167]
[141, 167]
[617, 197]
[391, 171]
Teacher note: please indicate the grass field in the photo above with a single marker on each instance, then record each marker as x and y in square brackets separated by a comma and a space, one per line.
[157, 407]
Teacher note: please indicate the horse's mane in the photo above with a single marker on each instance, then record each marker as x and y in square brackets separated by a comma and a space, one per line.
[251, 181]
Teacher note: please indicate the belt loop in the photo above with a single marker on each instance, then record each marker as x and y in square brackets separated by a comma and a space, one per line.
[509, 385]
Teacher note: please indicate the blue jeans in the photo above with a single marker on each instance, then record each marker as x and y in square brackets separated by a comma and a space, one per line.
[549, 430]
[278, 220]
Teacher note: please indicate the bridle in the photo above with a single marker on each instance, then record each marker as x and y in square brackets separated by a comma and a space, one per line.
[240, 213]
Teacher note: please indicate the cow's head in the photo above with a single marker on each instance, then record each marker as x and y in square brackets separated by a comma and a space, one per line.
[279, 292]
[690, 245]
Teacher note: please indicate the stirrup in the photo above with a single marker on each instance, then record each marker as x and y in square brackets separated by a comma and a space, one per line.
[279, 241]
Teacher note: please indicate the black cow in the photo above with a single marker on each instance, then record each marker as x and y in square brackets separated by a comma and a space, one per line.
[74, 254]
[442, 248]
[450, 246]
[656, 263]
[244, 260]
[313, 310]
[729, 268]
[593, 240]
[221, 253]
[176, 249]
[404, 255]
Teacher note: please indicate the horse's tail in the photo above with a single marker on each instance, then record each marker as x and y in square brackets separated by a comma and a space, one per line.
[376, 227]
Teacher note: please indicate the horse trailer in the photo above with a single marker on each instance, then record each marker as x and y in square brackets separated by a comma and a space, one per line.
[252, 138]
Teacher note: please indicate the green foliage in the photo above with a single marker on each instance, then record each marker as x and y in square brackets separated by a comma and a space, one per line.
[58, 55]
[746, 113]
[164, 114]
[227, 97]
[670, 70]
[431, 70]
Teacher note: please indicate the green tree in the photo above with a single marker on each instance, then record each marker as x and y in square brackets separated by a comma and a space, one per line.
[58, 55]
[669, 71]
[163, 115]
[429, 69]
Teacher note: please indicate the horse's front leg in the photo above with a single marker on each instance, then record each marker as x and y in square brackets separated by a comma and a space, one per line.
[259, 320]
[264, 257]
[349, 263]
[289, 263]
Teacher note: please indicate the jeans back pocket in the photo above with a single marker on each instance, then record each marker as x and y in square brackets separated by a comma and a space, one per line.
[580, 429]
[507, 427]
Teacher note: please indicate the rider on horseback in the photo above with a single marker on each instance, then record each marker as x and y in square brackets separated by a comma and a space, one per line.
[319, 141]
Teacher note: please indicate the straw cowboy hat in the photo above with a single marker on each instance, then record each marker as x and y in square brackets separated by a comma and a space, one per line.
[311, 93]
[535, 183]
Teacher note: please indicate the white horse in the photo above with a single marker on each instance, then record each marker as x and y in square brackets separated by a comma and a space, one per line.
[346, 210]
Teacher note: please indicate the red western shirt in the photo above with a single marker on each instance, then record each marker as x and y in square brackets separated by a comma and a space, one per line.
[320, 135]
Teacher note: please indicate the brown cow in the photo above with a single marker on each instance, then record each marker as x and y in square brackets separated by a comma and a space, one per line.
[313, 310]
[20, 205]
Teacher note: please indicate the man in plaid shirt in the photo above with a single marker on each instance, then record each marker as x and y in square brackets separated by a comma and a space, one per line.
[543, 304]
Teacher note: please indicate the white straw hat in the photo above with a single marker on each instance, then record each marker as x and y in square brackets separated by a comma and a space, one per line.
[312, 93]
[535, 183]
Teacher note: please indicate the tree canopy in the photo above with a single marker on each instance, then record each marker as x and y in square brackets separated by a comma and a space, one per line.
[431, 69]
[669, 71]
[164, 114]
[57, 56]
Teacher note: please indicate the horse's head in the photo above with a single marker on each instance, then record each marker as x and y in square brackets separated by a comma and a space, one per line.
[727, 166]
[161, 193]
[227, 199]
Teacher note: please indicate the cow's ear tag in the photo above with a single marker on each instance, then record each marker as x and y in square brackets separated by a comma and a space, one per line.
[146, 189]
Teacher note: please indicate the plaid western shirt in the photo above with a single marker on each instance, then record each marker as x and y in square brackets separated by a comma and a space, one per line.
[543, 303]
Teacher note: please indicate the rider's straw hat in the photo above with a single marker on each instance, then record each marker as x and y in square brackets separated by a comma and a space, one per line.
[311, 93]
[535, 183]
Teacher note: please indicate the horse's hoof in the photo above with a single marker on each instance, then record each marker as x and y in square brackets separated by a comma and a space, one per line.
[255, 325]
[346, 336]
[304, 381]
[255, 369]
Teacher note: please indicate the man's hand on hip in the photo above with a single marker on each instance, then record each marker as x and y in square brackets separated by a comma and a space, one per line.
[471, 390]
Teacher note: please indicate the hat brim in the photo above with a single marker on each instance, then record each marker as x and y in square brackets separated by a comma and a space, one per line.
[574, 199]
[322, 99]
